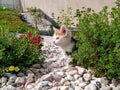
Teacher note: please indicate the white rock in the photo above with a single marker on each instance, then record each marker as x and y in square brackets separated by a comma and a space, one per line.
[91, 86]
[87, 76]
[3, 88]
[11, 80]
[115, 82]
[70, 88]
[54, 88]
[90, 71]
[63, 88]
[116, 88]
[118, 85]
[20, 74]
[42, 71]
[97, 79]
[30, 79]
[104, 81]
[97, 83]
[9, 75]
[81, 79]
[37, 66]
[53, 59]
[106, 88]
[54, 83]
[10, 87]
[65, 68]
[60, 73]
[50, 84]
[19, 88]
[77, 82]
[82, 84]
[76, 76]
[34, 70]
[42, 85]
[56, 77]
[3, 81]
[78, 88]
[37, 81]
[30, 86]
[28, 71]
[20, 80]
[55, 65]
[73, 83]
[38, 87]
[72, 72]
[69, 77]
[67, 83]
[80, 70]
[113, 87]
[62, 81]
[47, 77]
[45, 88]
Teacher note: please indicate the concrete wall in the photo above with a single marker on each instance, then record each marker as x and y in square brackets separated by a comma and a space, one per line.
[10, 3]
[50, 6]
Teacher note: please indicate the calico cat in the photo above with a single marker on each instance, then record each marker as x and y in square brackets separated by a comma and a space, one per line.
[62, 37]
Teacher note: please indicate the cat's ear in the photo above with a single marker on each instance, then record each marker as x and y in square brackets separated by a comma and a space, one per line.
[63, 29]
[54, 29]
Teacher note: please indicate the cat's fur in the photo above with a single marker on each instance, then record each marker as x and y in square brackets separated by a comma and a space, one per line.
[62, 37]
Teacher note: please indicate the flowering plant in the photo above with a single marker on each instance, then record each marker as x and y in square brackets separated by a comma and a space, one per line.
[32, 39]
[13, 69]
[17, 53]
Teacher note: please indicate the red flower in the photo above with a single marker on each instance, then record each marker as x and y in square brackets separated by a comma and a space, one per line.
[38, 37]
[35, 40]
[29, 35]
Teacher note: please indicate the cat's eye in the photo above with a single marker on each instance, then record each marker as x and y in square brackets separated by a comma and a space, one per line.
[57, 37]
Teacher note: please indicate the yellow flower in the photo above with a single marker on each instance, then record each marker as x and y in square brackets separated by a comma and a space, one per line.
[17, 69]
[11, 68]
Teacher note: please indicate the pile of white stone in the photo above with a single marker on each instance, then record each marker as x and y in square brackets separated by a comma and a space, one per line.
[29, 18]
[56, 74]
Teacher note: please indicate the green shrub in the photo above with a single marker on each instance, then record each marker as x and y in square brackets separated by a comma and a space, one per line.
[11, 19]
[4, 8]
[19, 53]
[32, 9]
[99, 41]
[66, 17]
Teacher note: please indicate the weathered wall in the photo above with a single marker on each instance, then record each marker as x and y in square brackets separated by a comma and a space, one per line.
[10, 3]
[49, 6]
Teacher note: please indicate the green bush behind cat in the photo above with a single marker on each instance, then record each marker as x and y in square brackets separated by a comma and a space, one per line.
[98, 41]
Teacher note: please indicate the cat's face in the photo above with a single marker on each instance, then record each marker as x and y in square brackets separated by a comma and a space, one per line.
[61, 36]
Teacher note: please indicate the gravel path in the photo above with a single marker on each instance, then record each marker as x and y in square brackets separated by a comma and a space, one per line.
[56, 74]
